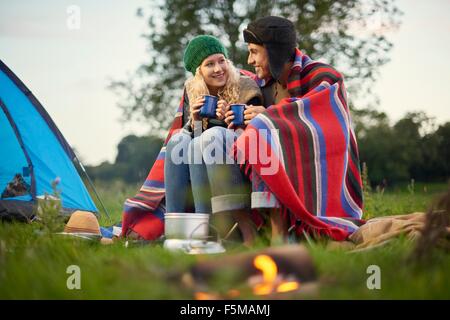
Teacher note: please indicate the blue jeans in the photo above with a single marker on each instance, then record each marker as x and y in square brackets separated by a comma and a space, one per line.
[230, 189]
[185, 175]
[200, 173]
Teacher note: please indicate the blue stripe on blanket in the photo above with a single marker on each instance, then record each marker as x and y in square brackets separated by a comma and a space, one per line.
[154, 183]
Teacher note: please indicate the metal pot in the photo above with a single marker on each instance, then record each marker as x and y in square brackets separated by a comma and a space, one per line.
[186, 225]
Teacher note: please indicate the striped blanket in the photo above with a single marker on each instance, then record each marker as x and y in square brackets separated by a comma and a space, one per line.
[144, 213]
[318, 180]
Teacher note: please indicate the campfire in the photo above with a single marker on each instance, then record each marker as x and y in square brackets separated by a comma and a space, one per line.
[274, 273]
[271, 280]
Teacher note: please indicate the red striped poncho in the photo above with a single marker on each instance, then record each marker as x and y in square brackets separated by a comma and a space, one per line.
[318, 182]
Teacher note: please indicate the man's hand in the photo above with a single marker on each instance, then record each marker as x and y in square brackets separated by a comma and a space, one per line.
[252, 111]
[249, 113]
[229, 116]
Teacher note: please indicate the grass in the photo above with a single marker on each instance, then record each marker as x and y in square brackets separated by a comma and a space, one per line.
[33, 261]
[401, 199]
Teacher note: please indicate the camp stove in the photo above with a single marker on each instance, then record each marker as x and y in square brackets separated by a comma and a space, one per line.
[189, 233]
[194, 246]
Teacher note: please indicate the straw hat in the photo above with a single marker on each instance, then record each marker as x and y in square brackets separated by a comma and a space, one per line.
[83, 224]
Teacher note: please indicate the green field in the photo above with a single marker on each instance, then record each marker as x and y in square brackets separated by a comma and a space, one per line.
[33, 262]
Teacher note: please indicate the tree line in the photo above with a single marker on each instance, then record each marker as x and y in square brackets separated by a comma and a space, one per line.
[414, 147]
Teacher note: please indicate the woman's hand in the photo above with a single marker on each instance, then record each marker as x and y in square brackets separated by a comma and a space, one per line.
[194, 108]
[252, 111]
[221, 109]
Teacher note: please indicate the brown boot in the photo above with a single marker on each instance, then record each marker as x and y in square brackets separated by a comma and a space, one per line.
[279, 228]
[224, 224]
[247, 227]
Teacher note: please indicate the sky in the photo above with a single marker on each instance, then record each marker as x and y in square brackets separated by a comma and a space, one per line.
[68, 62]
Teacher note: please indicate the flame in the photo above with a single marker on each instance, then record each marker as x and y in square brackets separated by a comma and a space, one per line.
[267, 266]
[268, 283]
[288, 286]
[233, 293]
[204, 296]
[270, 279]
[269, 270]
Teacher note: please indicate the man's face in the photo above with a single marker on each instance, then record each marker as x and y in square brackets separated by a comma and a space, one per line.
[258, 58]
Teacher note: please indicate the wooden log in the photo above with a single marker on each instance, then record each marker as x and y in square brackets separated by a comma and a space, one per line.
[293, 263]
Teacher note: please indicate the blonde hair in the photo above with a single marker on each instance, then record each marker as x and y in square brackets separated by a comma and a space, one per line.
[196, 86]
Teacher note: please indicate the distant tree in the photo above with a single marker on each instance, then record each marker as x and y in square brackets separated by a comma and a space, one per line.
[105, 171]
[378, 150]
[408, 143]
[410, 149]
[443, 134]
[366, 118]
[436, 156]
[349, 34]
[135, 156]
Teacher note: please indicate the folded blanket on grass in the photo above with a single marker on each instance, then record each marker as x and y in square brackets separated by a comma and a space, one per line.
[313, 148]
[379, 231]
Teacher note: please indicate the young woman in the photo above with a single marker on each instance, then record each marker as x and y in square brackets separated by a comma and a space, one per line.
[180, 179]
[186, 174]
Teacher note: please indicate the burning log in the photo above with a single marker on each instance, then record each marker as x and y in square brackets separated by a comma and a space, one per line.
[273, 271]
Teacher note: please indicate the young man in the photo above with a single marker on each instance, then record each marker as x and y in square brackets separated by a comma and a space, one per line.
[272, 46]
[318, 186]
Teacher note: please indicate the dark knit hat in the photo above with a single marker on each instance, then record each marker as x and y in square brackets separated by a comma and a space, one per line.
[199, 48]
[278, 36]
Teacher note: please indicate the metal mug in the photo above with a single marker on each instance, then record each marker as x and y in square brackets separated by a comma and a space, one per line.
[208, 110]
[238, 111]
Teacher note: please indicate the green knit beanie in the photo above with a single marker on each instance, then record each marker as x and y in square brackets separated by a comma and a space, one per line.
[199, 48]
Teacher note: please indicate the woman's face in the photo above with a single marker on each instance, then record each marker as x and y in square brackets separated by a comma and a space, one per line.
[214, 70]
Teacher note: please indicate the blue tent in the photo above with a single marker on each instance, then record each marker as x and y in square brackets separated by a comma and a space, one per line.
[33, 153]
